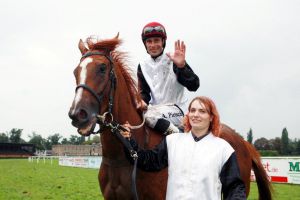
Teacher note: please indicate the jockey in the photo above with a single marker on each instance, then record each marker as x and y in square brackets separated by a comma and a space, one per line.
[162, 79]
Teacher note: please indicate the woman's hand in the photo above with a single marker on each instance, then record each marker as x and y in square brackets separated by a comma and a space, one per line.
[126, 134]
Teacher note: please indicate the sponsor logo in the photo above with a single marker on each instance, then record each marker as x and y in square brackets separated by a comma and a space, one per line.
[268, 167]
[294, 167]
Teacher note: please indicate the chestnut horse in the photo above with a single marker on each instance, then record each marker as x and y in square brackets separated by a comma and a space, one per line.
[105, 85]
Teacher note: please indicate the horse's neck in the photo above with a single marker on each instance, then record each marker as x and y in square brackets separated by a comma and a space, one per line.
[125, 110]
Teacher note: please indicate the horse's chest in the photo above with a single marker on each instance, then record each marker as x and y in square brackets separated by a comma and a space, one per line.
[115, 182]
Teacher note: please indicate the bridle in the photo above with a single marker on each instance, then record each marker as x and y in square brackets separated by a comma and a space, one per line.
[107, 117]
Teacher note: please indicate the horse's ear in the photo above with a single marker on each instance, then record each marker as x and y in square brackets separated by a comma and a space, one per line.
[82, 47]
[89, 42]
[117, 36]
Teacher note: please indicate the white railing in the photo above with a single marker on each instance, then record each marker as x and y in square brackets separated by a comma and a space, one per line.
[42, 158]
[70, 161]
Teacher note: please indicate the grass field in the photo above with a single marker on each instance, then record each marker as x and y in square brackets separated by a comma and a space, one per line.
[20, 179]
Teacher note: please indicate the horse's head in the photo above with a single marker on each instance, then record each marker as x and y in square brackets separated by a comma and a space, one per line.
[95, 80]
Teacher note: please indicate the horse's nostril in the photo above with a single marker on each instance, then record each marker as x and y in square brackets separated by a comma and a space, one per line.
[79, 116]
[82, 114]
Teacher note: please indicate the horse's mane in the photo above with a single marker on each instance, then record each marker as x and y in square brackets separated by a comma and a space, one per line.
[108, 46]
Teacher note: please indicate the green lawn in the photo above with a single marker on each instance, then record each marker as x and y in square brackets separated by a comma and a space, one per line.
[20, 179]
[281, 192]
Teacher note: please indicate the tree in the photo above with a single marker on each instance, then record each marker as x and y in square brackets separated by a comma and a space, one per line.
[81, 139]
[37, 140]
[15, 135]
[298, 147]
[292, 147]
[65, 141]
[4, 137]
[47, 144]
[284, 142]
[262, 144]
[54, 139]
[74, 139]
[95, 140]
[250, 136]
[275, 144]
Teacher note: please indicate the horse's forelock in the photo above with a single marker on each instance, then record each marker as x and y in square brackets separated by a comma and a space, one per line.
[107, 45]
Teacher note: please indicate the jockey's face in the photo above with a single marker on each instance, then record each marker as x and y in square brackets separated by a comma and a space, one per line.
[154, 46]
[199, 117]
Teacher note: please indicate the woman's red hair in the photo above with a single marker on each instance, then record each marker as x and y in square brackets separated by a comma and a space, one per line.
[211, 108]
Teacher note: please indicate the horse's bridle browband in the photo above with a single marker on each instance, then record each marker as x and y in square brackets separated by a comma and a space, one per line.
[91, 53]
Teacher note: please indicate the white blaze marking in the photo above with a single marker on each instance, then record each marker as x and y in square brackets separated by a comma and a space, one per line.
[82, 79]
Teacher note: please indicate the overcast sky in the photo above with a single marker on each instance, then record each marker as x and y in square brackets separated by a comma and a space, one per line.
[246, 54]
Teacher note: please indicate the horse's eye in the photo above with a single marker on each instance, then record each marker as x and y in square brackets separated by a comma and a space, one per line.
[101, 68]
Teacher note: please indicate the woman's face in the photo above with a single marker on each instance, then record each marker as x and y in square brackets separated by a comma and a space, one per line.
[198, 116]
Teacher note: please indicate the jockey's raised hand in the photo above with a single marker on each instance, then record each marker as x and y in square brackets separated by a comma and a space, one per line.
[178, 57]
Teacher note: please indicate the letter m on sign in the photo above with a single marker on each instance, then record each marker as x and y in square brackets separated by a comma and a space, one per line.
[294, 167]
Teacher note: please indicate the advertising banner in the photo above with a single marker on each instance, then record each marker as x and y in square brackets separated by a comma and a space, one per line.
[281, 169]
[85, 162]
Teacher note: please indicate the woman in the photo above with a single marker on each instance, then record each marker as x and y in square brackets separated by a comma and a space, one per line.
[201, 165]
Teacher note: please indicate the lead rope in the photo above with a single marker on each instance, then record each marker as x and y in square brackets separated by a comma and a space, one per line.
[141, 125]
[133, 178]
[101, 118]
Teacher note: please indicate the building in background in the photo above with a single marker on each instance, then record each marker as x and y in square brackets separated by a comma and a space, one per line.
[77, 150]
[16, 150]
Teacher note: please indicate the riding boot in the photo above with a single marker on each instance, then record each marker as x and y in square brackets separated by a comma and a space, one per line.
[171, 129]
[165, 127]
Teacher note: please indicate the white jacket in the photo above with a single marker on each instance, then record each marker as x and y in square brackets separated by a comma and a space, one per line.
[194, 167]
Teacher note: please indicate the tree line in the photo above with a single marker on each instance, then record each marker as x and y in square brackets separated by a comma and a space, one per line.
[278, 146]
[15, 136]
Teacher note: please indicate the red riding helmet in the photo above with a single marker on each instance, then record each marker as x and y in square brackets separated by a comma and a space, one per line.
[154, 29]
